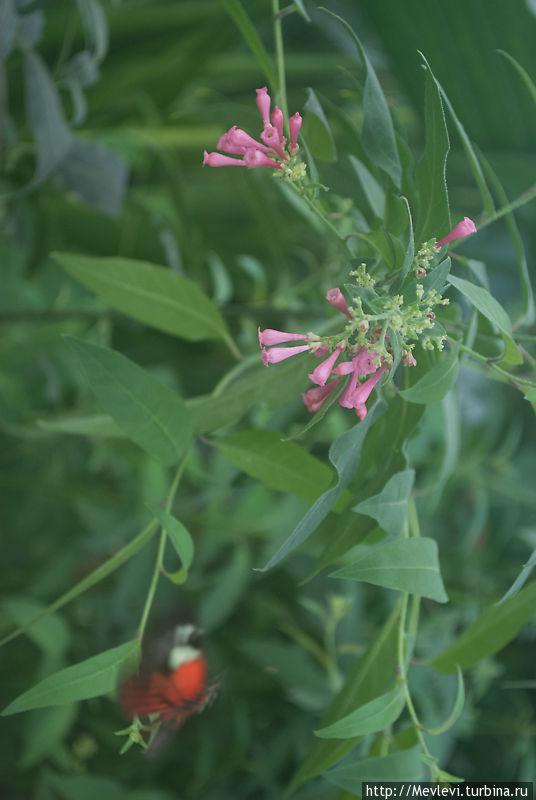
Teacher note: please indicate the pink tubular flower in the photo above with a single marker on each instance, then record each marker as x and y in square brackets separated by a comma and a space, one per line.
[270, 137]
[321, 351]
[218, 160]
[336, 298]
[269, 336]
[263, 104]
[361, 394]
[321, 373]
[363, 363]
[276, 354]
[294, 124]
[345, 399]
[277, 121]
[460, 231]
[256, 158]
[315, 398]
[236, 141]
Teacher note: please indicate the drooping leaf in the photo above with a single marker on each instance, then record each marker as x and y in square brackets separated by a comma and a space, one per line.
[390, 507]
[496, 626]
[90, 678]
[149, 293]
[369, 718]
[373, 191]
[456, 711]
[150, 413]
[407, 565]
[523, 575]
[366, 681]
[403, 766]
[344, 454]
[97, 174]
[95, 26]
[177, 534]
[53, 137]
[484, 302]
[317, 131]
[8, 27]
[434, 214]
[436, 383]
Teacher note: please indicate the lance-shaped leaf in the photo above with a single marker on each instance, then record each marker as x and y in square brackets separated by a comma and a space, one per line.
[90, 678]
[180, 539]
[490, 632]
[150, 413]
[408, 565]
[434, 216]
[456, 711]
[390, 507]
[483, 301]
[284, 466]
[317, 131]
[523, 576]
[344, 454]
[372, 717]
[436, 383]
[149, 293]
[403, 766]
[251, 37]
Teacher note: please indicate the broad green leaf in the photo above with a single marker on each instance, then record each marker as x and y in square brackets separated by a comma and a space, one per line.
[531, 395]
[483, 301]
[390, 507]
[407, 565]
[344, 454]
[90, 678]
[366, 681]
[434, 214]
[317, 131]
[373, 191]
[378, 134]
[369, 718]
[177, 535]
[403, 766]
[47, 729]
[456, 711]
[53, 137]
[284, 466]
[150, 413]
[436, 383]
[86, 583]
[95, 425]
[149, 293]
[490, 632]
[252, 38]
[50, 633]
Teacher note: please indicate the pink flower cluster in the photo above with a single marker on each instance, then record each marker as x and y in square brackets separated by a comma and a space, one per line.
[355, 394]
[271, 152]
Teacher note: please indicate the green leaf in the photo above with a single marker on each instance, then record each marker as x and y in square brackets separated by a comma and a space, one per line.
[252, 38]
[300, 8]
[483, 301]
[390, 507]
[371, 188]
[95, 26]
[88, 787]
[403, 766]
[369, 718]
[344, 454]
[317, 131]
[150, 414]
[523, 575]
[435, 384]
[434, 214]
[410, 251]
[149, 293]
[50, 633]
[97, 174]
[490, 632]
[368, 679]
[53, 137]
[177, 535]
[8, 28]
[95, 425]
[378, 134]
[46, 730]
[284, 466]
[90, 678]
[456, 711]
[407, 565]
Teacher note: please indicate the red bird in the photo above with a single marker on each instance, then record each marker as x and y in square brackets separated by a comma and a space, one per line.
[174, 695]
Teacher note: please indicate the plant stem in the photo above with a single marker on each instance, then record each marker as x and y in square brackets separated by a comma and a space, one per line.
[160, 552]
[280, 58]
[508, 375]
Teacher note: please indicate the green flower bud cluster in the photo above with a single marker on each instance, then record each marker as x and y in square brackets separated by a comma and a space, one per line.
[362, 277]
[422, 260]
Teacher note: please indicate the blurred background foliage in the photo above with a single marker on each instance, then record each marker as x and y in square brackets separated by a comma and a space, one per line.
[105, 110]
